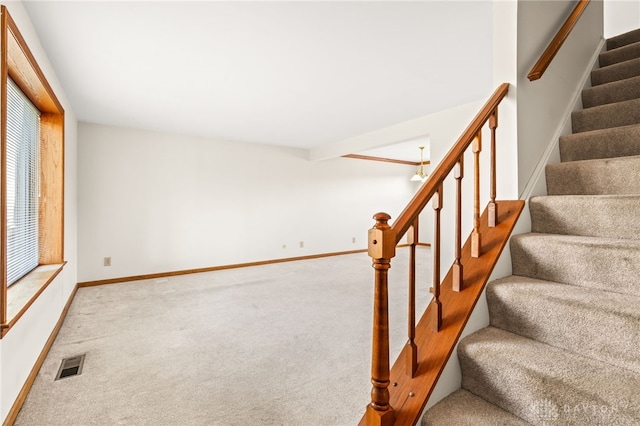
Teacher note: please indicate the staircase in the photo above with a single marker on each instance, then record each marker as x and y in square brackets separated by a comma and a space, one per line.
[563, 345]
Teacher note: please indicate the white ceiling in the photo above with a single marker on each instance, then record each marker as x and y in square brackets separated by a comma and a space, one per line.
[297, 74]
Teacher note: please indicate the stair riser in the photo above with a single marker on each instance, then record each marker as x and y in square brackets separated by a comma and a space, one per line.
[623, 39]
[618, 91]
[609, 143]
[596, 177]
[539, 383]
[606, 116]
[611, 267]
[593, 216]
[476, 412]
[564, 316]
[621, 54]
[615, 72]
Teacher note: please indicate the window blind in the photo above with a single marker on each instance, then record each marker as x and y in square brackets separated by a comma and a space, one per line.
[22, 165]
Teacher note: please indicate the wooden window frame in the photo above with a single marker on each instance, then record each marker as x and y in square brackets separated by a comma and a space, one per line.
[18, 63]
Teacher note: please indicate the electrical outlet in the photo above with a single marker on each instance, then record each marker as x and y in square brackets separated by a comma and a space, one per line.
[107, 261]
[284, 246]
[353, 240]
[301, 244]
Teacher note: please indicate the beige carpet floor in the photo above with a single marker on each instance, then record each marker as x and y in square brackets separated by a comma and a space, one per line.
[281, 344]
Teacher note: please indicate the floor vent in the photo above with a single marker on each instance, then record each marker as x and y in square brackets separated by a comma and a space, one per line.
[70, 367]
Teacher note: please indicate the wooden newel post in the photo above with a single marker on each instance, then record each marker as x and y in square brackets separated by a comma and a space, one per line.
[382, 247]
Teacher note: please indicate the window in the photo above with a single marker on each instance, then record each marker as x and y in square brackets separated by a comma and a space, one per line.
[32, 177]
[22, 164]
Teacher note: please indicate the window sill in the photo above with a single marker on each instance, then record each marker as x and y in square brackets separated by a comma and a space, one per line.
[22, 294]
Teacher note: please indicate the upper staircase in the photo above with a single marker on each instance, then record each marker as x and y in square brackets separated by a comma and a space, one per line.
[562, 345]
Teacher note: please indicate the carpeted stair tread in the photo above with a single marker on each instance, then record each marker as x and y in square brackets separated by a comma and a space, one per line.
[608, 93]
[615, 72]
[623, 39]
[621, 141]
[462, 408]
[606, 116]
[563, 316]
[600, 263]
[562, 345]
[607, 216]
[624, 53]
[620, 175]
[538, 382]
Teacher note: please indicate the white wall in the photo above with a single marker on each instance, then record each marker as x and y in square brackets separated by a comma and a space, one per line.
[542, 103]
[532, 116]
[621, 16]
[158, 202]
[505, 70]
[22, 345]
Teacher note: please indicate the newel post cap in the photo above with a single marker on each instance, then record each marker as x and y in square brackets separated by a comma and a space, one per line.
[382, 238]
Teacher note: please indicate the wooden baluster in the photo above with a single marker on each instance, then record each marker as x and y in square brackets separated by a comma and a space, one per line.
[475, 234]
[436, 319]
[412, 349]
[492, 209]
[382, 247]
[458, 279]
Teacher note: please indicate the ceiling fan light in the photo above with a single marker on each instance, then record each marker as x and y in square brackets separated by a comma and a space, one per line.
[416, 177]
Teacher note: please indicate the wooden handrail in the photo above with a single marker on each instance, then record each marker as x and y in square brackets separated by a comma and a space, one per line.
[383, 239]
[555, 44]
[422, 197]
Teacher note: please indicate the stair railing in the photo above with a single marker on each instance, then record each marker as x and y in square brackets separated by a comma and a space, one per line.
[383, 239]
[557, 41]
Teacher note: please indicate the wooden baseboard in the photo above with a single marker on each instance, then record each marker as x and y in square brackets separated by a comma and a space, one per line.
[211, 269]
[222, 267]
[17, 405]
